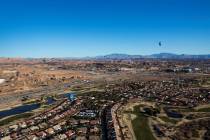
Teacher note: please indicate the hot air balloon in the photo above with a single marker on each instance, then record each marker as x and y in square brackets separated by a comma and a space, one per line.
[160, 43]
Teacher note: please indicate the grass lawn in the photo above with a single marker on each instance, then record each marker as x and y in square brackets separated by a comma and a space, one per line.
[141, 126]
[167, 119]
[207, 109]
[32, 101]
[16, 117]
[186, 110]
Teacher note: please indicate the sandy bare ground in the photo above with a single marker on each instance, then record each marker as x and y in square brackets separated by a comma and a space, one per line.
[151, 122]
[2, 81]
[126, 119]
[202, 106]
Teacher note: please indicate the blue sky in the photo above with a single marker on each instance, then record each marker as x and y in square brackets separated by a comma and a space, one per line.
[76, 28]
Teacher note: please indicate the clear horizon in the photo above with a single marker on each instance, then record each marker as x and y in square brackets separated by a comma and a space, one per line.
[66, 28]
[77, 57]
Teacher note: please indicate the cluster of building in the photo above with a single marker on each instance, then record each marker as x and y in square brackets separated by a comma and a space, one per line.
[175, 92]
[172, 93]
[110, 124]
[65, 120]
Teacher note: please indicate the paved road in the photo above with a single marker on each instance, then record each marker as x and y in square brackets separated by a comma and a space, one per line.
[10, 98]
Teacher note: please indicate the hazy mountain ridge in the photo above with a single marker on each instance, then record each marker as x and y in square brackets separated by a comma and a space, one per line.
[157, 56]
[115, 56]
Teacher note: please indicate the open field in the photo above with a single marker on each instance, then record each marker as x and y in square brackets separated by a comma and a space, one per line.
[167, 119]
[204, 109]
[141, 126]
[15, 118]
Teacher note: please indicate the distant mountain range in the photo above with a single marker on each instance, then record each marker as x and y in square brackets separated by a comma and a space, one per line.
[155, 56]
[115, 56]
